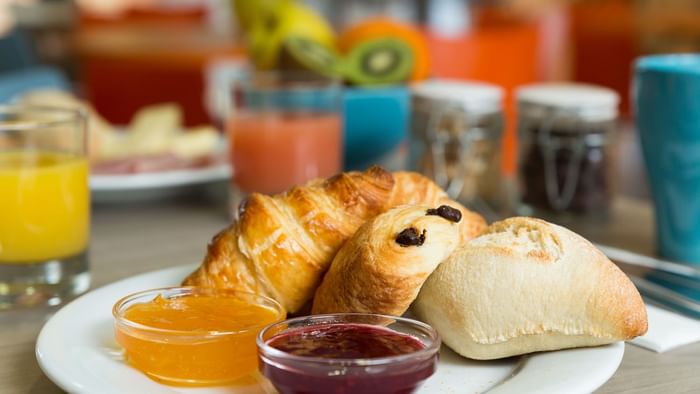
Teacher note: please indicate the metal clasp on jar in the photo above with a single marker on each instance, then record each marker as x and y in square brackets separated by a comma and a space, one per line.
[577, 142]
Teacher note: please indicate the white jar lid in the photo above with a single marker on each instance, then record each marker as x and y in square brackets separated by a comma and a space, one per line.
[590, 102]
[476, 97]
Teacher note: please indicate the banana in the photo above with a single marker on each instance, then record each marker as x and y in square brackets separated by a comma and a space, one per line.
[273, 25]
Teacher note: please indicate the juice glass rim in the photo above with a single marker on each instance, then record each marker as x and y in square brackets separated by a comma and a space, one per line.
[119, 308]
[426, 352]
[70, 116]
[291, 81]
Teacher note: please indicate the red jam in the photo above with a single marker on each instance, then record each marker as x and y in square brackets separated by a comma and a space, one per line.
[340, 360]
[345, 341]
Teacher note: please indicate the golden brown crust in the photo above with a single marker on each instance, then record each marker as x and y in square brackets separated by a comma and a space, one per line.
[616, 298]
[373, 273]
[413, 188]
[281, 245]
[224, 247]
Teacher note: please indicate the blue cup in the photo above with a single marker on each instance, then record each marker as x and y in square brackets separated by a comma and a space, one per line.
[375, 122]
[666, 96]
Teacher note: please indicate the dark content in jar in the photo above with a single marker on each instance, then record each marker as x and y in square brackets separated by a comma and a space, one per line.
[566, 171]
[343, 342]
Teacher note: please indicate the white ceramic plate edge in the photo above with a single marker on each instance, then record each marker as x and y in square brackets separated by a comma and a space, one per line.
[557, 375]
[71, 384]
[162, 179]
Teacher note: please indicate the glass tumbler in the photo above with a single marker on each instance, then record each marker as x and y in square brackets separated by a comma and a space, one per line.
[284, 129]
[44, 206]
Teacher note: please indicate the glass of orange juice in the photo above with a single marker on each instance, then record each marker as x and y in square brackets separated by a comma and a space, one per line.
[44, 206]
[284, 129]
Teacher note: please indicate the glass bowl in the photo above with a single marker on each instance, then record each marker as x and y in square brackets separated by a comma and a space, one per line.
[402, 373]
[194, 355]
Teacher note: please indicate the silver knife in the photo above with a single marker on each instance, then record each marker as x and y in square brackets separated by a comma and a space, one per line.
[682, 276]
[626, 257]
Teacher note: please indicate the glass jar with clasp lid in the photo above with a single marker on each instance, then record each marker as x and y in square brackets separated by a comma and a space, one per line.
[456, 130]
[565, 135]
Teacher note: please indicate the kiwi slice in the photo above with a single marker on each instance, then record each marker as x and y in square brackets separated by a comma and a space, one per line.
[379, 61]
[303, 53]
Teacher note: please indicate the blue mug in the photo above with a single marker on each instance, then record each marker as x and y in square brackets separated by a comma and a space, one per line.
[375, 122]
[666, 97]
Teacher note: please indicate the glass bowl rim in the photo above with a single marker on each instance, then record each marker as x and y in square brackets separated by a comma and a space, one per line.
[119, 318]
[72, 115]
[427, 351]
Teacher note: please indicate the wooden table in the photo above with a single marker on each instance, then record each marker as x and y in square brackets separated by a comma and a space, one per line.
[129, 240]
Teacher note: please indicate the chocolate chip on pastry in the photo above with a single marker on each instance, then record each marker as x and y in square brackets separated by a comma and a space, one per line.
[446, 212]
[410, 237]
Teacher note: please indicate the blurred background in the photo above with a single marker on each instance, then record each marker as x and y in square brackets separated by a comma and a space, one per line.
[180, 58]
[513, 107]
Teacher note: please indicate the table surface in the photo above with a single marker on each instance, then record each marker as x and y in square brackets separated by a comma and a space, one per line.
[132, 239]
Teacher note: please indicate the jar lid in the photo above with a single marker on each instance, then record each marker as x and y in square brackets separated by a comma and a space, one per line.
[476, 97]
[589, 102]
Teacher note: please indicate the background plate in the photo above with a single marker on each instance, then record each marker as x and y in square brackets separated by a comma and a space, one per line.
[155, 185]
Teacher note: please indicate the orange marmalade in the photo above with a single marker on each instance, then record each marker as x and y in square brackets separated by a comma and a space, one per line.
[193, 336]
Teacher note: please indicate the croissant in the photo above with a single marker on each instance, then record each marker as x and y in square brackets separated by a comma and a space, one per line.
[281, 245]
[412, 188]
[383, 266]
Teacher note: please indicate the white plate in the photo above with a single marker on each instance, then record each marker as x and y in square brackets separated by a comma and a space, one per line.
[154, 185]
[76, 349]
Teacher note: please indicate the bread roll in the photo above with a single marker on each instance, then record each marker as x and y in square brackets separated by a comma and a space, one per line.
[526, 285]
[383, 266]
